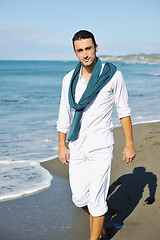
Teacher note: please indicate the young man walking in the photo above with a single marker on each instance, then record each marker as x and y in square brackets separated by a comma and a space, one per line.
[89, 93]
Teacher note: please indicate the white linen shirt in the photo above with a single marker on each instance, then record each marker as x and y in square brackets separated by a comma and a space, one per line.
[96, 125]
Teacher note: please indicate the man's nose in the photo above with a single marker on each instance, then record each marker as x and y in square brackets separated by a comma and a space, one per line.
[85, 55]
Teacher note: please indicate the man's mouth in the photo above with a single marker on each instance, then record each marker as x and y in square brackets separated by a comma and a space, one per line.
[86, 59]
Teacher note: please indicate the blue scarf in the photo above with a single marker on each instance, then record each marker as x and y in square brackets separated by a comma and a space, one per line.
[96, 82]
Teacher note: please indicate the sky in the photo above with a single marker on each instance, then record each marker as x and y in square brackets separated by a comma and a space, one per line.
[43, 29]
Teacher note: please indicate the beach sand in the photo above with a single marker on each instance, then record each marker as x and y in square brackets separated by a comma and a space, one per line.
[51, 215]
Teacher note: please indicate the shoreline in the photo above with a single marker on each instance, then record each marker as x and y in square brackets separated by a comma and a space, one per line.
[60, 169]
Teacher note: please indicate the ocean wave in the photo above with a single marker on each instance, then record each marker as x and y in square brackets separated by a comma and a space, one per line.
[154, 74]
[51, 122]
[7, 100]
[148, 74]
[136, 95]
[143, 122]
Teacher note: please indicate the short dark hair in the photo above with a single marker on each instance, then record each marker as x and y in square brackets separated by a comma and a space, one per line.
[83, 34]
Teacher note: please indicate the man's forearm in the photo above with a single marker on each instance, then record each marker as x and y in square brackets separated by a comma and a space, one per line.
[129, 152]
[61, 138]
[127, 130]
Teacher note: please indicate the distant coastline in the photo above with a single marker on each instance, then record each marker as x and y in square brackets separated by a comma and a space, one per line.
[142, 58]
[139, 58]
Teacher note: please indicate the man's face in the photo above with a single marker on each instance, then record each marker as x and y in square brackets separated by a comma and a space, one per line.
[85, 51]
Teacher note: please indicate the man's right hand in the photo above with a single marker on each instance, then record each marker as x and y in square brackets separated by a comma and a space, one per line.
[63, 155]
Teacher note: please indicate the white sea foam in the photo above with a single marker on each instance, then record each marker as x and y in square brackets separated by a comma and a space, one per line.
[55, 148]
[138, 117]
[143, 122]
[49, 158]
[154, 74]
[20, 178]
[139, 122]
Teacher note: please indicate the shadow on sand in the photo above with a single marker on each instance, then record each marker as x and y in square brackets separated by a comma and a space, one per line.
[124, 195]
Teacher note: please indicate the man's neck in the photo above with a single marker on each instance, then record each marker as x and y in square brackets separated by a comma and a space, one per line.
[86, 75]
[87, 71]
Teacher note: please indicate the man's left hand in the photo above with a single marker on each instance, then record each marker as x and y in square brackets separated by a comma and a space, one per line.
[129, 154]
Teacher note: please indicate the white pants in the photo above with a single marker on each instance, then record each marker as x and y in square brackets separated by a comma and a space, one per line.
[89, 174]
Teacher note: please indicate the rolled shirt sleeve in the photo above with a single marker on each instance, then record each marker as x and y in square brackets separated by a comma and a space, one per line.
[64, 117]
[121, 97]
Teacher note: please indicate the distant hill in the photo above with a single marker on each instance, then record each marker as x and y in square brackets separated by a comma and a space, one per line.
[153, 57]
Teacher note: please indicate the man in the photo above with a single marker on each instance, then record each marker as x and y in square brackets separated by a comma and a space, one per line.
[88, 95]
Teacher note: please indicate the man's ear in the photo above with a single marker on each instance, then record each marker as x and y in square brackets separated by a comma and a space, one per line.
[96, 47]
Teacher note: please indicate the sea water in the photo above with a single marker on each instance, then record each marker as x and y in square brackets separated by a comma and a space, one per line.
[29, 102]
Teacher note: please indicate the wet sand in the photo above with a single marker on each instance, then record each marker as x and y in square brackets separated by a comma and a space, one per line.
[51, 215]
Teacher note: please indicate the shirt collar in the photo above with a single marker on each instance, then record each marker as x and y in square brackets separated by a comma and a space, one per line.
[81, 78]
[80, 74]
